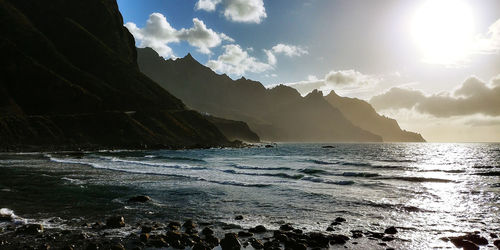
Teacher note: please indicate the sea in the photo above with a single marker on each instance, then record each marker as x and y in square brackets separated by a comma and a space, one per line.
[426, 190]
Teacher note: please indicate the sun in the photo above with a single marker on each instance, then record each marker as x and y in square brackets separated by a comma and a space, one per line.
[444, 31]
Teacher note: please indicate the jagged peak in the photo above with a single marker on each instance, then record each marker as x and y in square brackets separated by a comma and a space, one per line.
[315, 93]
[332, 94]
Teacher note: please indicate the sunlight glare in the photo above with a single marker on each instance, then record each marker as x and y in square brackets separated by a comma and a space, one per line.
[444, 31]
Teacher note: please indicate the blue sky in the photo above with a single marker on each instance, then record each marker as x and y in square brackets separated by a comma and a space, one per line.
[357, 48]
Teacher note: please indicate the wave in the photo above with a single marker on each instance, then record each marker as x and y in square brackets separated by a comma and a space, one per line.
[399, 207]
[493, 173]
[281, 175]
[354, 174]
[313, 171]
[258, 168]
[451, 171]
[415, 179]
[485, 167]
[178, 158]
[394, 167]
[321, 180]
[73, 181]
[397, 160]
[155, 164]
[322, 162]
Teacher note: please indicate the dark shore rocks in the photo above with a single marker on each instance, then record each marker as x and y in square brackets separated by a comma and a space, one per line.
[286, 227]
[115, 222]
[328, 146]
[340, 219]
[230, 242]
[239, 217]
[30, 229]
[258, 229]
[391, 230]
[140, 199]
[468, 241]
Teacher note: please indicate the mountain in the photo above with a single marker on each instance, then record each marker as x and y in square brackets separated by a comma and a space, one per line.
[234, 130]
[278, 114]
[69, 79]
[363, 115]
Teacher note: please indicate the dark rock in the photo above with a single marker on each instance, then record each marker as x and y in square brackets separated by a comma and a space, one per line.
[286, 227]
[174, 225]
[382, 244]
[335, 223]
[328, 146]
[376, 235]
[207, 231]
[186, 240]
[338, 239]
[140, 198]
[146, 229]
[92, 246]
[189, 224]
[239, 217]
[230, 242]
[356, 234]
[158, 243]
[117, 246]
[318, 240]
[68, 247]
[493, 236]
[258, 229]
[298, 231]
[144, 237]
[98, 225]
[340, 219]
[201, 246]
[212, 241]
[497, 243]
[330, 229]
[280, 236]
[269, 146]
[30, 229]
[391, 230]
[388, 238]
[115, 222]
[476, 239]
[173, 236]
[244, 234]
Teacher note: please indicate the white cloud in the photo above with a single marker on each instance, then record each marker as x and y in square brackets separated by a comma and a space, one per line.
[271, 58]
[236, 61]
[344, 80]
[246, 11]
[207, 5]
[158, 33]
[289, 50]
[491, 43]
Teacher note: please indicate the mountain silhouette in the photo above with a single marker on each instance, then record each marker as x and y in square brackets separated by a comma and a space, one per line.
[278, 114]
[69, 79]
[363, 115]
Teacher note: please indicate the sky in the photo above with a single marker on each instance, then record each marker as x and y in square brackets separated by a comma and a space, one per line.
[434, 65]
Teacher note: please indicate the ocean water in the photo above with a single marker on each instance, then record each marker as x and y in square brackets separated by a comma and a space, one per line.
[427, 190]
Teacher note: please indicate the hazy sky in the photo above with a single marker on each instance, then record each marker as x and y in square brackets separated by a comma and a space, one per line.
[430, 64]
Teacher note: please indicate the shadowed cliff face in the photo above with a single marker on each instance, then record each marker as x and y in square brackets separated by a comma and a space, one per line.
[69, 78]
[278, 114]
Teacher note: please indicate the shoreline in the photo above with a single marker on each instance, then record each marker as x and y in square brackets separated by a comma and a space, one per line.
[116, 232]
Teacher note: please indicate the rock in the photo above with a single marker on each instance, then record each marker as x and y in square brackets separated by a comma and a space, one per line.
[298, 231]
[189, 224]
[244, 234]
[497, 243]
[328, 146]
[98, 225]
[356, 234]
[115, 222]
[391, 230]
[257, 244]
[340, 219]
[258, 229]
[144, 237]
[330, 229]
[200, 246]
[476, 239]
[230, 242]
[338, 239]
[174, 225]
[382, 244]
[92, 246]
[158, 243]
[117, 246]
[173, 236]
[286, 227]
[376, 235]
[212, 241]
[280, 236]
[146, 229]
[30, 229]
[140, 198]
[493, 236]
[239, 217]
[318, 240]
[207, 231]
[388, 238]
[269, 146]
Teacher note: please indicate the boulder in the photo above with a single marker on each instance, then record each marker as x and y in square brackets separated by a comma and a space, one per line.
[140, 198]
[207, 231]
[391, 230]
[258, 229]
[340, 219]
[230, 242]
[30, 229]
[189, 224]
[115, 222]
[239, 217]
[257, 244]
[338, 239]
[286, 227]
[244, 234]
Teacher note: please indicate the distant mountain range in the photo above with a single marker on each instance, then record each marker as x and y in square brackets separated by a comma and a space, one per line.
[69, 79]
[277, 114]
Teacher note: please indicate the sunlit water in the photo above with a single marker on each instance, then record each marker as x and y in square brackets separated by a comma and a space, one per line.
[427, 190]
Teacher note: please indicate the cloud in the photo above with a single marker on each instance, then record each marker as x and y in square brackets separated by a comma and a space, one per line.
[491, 43]
[246, 11]
[473, 96]
[236, 61]
[207, 5]
[271, 58]
[289, 50]
[338, 80]
[158, 33]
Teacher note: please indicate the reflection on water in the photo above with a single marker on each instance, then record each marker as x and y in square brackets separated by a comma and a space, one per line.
[428, 190]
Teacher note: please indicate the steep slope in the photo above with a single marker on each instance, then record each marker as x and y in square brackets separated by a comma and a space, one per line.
[69, 79]
[278, 114]
[363, 115]
[234, 130]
